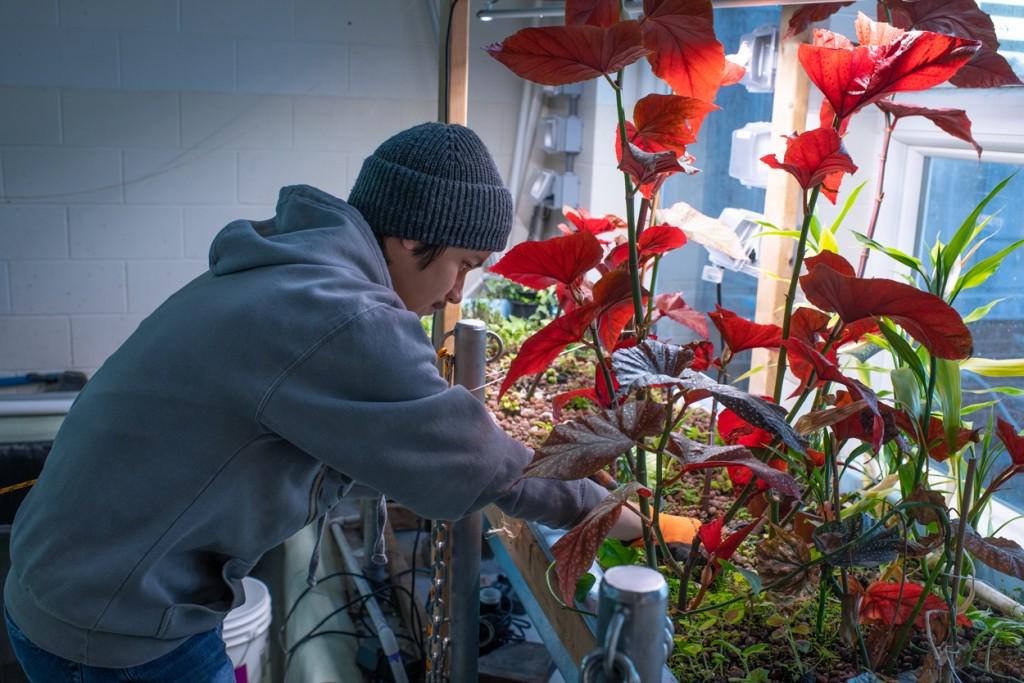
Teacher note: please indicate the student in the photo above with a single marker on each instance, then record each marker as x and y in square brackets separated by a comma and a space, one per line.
[251, 400]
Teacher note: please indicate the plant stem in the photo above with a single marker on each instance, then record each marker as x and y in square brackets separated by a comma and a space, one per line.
[926, 423]
[890, 125]
[798, 261]
[631, 223]
[650, 299]
[958, 554]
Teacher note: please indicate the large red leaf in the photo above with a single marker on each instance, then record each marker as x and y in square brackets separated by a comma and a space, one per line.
[740, 334]
[537, 352]
[556, 55]
[832, 260]
[953, 17]
[936, 437]
[613, 293]
[815, 158]
[601, 13]
[806, 15]
[668, 122]
[673, 307]
[953, 121]
[684, 50]
[562, 260]
[926, 317]
[657, 239]
[808, 324]
[988, 69]
[852, 77]
[575, 552]
[888, 603]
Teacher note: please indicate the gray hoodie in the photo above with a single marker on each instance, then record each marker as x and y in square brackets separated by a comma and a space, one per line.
[238, 412]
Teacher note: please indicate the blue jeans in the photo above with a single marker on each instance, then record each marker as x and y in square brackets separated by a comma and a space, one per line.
[200, 659]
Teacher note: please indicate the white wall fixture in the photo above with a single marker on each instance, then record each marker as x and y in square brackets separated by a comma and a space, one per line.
[563, 134]
[749, 144]
[745, 224]
[759, 55]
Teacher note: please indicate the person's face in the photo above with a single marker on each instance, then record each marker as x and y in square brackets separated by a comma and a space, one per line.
[425, 290]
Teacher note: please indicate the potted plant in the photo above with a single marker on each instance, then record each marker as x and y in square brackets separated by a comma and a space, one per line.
[866, 574]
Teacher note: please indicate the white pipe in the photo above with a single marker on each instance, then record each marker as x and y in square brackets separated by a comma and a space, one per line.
[631, 7]
[388, 641]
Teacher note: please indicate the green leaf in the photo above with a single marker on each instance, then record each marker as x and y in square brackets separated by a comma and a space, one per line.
[692, 649]
[583, 586]
[967, 410]
[895, 254]
[991, 367]
[947, 386]
[1011, 391]
[776, 620]
[815, 229]
[903, 350]
[827, 242]
[795, 234]
[981, 311]
[751, 577]
[755, 649]
[984, 269]
[614, 552]
[847, 205]
[908, 391]
[963, 234]
[733, 615]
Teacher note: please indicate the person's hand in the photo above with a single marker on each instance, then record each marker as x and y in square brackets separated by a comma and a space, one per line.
[675, 529]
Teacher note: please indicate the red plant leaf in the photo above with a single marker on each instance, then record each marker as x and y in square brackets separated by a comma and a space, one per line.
[738, 460]
[739, 334]
[578, 448]
[673, 307]
[808, 324]
[556, 55]
[833, 261]
[539, 350]
[613, 322]
[659, 239]
[668, 122]
[853, 77]
[827, 371]
[601, 13]
[815, 158]
[1001, 554]
[953, 17]
[605, 394]
[808, 14]
[575, 552]
[710, 534]
[953, 121]
[988, 69]
[650, 169]
[733, 73]
[684, 51]
[559, 402]
[1012, 440]
[936, 437]
[736, 431]
[613, 294]
[885, 604]
[541, 264]
[584, 222]
[703, 352]
[926, 317]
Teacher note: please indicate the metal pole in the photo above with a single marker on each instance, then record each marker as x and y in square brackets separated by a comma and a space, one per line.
[634, 633]
[464, 628]
[633, 8]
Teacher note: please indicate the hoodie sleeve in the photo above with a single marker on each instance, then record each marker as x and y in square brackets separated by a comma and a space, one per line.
[368, 401]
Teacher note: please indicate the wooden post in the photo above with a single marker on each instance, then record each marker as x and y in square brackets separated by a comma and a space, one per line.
[452, 107]
[782, 204]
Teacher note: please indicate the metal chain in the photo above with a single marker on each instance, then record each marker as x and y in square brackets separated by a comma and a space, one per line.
[437, 607]
[437, 644]
[607, 663]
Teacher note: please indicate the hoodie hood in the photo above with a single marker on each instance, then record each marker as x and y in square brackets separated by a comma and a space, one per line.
[311, 227]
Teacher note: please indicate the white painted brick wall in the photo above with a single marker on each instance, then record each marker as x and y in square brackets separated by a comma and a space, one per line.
[132, 132]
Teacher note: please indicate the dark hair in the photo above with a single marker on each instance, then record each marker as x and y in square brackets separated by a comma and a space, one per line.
[426, 253]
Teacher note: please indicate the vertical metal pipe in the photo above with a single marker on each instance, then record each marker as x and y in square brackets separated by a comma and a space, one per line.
[633, 601]
[464, 625]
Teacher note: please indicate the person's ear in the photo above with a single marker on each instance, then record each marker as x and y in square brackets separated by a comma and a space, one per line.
[409, 245]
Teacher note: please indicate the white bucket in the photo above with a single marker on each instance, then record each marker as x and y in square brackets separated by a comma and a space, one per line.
[246, 633]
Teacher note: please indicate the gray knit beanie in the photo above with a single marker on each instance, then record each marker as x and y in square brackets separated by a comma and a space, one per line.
[435, 183]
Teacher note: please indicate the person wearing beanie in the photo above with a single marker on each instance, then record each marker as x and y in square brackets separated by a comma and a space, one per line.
[293, 372]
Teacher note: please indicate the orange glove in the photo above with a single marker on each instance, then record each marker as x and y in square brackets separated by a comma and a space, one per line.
[675, 529]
